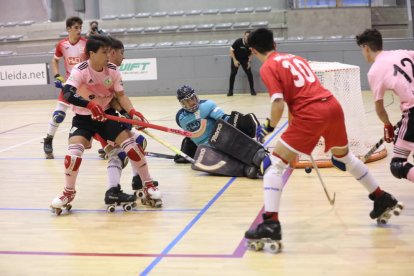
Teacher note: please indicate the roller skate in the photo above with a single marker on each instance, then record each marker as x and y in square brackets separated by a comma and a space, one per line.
[47, 147]
[115, 197]
[384, 207]
[102, 154]
[267, 235]
[63, 201]
[149, 193]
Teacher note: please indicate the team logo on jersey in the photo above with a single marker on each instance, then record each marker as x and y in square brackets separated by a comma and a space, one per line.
[91, 97]
[108, 82]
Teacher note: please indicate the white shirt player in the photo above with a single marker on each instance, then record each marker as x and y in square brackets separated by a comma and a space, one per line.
[393, 70]
[98, 87]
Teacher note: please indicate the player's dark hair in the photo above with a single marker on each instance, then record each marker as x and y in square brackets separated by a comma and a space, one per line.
[73, 20]
[247, 32]
[372, 38]
[261, 40]
[116, 44]
[95, 42]
[92, 22]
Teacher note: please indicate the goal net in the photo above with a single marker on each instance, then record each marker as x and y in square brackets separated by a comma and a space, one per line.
[343, 81]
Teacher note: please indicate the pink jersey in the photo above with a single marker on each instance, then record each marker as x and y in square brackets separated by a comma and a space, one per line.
[72, 53]
[393, 70]
[98, 87]
[290, 77]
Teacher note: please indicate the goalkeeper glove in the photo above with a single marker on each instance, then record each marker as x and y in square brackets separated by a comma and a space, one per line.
[263, 130]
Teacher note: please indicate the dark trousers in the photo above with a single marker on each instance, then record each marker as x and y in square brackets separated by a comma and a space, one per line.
[233, 74]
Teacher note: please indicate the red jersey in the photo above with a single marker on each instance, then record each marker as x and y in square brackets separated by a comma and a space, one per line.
[290, 77]
[72, 53]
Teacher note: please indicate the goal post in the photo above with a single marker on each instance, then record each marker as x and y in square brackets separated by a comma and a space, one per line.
[343, 80]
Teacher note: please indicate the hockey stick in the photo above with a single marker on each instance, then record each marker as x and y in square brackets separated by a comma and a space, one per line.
[186, 157]
[169, 146]
[159, 155]
[378, 144]
[331, 201]
[143, 124]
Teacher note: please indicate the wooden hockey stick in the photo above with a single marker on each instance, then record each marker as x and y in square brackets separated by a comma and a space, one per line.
[148, 125]
[378, 144]
[168, 145]
[331, 200]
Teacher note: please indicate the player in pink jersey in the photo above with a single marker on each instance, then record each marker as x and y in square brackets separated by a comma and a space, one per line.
[103, 83]
[72, 49]
[315, 113]
[392, 70]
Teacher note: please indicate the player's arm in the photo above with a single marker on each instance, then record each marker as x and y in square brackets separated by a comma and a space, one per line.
[233, 56]
[126, 104]
[59, 80]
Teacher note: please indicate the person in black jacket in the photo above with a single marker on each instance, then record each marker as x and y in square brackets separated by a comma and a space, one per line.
[241, 55]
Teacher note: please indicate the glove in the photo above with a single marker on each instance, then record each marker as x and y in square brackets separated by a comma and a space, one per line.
[388, 133]
[135, 115]
[263, 130]
[97, 112]
[59, 81]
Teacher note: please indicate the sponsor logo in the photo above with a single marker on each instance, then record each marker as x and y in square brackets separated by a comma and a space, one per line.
[201, 155]
[216, 133]
[73, 60]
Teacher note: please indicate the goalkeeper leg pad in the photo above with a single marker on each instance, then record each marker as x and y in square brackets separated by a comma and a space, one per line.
[235, 143]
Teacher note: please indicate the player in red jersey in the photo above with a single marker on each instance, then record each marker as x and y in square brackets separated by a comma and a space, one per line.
[72, 49]
[315, 113]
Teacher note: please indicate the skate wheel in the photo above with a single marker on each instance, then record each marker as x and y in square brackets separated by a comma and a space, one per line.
[111, 208]
[58, 211]
[143, 202]
[253, 246]
[127, 207]
[400, 205]
[134, 205]
[68, 207]
[382, 221]
[158, 204]
[397, 211]
[308, 170]
[140, 194]
[152, 203]
[274, 247]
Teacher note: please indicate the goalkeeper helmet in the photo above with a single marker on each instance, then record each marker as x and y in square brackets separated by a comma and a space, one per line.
[188, 98]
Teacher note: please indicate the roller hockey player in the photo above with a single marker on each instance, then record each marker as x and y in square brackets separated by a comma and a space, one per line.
[315, 113]
[72, 51]
[103, 83]
[221, 156]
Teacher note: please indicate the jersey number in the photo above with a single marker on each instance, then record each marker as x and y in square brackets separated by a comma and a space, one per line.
[398, 69]
[305, 71]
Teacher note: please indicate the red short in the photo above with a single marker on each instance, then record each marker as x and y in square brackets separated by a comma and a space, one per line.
[321, 118]
[62, 99]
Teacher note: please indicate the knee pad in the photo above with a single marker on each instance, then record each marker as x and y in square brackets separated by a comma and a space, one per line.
[275, 161]
[136, 153]
[118, 154]
[399, 167]
[58, 116]
[140, 140]
[72, 163]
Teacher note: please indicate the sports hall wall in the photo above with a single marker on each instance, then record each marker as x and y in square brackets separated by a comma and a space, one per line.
[206, 68]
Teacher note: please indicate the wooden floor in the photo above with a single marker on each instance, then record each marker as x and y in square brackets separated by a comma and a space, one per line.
[199, 230]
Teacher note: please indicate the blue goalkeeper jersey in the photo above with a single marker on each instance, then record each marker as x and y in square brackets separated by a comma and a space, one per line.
[193, 121]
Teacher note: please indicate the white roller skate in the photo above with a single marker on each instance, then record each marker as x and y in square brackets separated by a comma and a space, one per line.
[384, 207]
[267, 236]
[149, 193]
[63, 201]
[116, 197]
